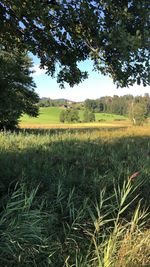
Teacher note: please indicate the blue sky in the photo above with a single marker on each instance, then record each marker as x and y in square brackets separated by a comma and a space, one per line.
[94, 87]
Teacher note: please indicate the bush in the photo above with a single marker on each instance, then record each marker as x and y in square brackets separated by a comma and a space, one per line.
[101, 120]
[88, 116]
[138, 113]
[69, 115]
[62, 116]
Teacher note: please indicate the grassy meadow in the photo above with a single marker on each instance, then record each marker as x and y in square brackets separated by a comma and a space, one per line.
[47, 115]
[75, 197]
[49, 118]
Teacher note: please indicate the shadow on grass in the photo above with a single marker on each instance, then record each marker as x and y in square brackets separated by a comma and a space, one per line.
[87, 166]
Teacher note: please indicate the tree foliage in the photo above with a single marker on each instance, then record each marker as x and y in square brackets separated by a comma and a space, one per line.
[138, 112]
[119, 105]
[16, 88]
[88, 116]
[62, 33]
[62, 116]
[69, 115]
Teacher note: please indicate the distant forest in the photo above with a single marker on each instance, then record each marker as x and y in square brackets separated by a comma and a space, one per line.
[116, 105]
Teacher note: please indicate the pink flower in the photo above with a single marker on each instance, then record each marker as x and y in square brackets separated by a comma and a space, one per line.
[134, 175]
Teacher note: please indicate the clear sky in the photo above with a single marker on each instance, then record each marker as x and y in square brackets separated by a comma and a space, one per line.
[94, 87]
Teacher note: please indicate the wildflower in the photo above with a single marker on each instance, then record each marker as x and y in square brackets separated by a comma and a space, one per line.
[134, 175]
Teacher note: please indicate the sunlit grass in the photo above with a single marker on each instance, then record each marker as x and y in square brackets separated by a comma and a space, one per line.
[74, 125]
[46, 116]
[49, 117]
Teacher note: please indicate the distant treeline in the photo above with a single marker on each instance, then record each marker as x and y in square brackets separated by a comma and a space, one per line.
[48, 102]
[115, 105]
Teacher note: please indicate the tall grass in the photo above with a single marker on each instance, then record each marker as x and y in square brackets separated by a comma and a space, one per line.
[96, 234]
[68, 200]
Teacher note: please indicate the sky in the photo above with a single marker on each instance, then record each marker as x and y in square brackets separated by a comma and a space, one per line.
[96, 86]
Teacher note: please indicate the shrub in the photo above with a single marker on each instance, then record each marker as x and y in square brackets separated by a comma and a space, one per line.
[69, 115]
[88, 116]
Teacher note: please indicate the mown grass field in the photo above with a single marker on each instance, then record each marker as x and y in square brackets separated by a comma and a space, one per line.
[49, 117]
[67, 197]
[46, 116]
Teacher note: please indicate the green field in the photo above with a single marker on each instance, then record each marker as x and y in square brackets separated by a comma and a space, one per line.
[50, 115]
[46, 116]
[71, 198]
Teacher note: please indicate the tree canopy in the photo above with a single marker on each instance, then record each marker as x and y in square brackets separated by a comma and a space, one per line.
[88, 116]
[17, 93]
[138, 112]
[69, 115]
[62, 33]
